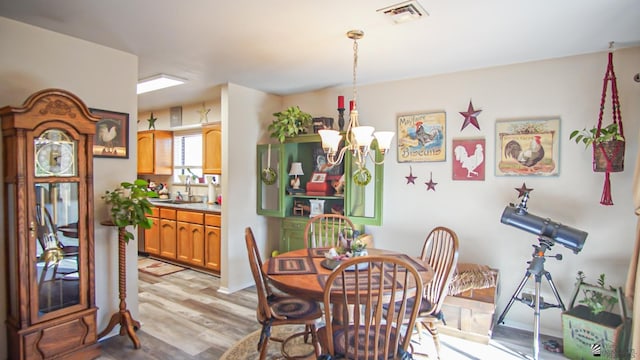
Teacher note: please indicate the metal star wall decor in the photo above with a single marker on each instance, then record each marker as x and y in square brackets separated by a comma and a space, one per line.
[523, 190]
[470, 117]
[203, 114]
[411, 179]
[430, 184]
[152, 121]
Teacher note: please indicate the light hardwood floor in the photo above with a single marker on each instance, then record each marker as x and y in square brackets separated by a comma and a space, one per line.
[184, 317]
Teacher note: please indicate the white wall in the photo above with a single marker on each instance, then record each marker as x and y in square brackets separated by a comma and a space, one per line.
[568, 88]
[36, 59]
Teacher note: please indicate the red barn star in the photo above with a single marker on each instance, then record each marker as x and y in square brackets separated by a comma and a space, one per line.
[470, 117]
[411, 179]
[523, 190]
[430, 184]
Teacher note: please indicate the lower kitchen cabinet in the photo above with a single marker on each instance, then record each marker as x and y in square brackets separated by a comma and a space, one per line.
[212, 242]
[190, 237]
[292, 236]
[152, 235]
[168, 247]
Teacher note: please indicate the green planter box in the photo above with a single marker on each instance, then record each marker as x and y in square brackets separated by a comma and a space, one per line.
[585, 335]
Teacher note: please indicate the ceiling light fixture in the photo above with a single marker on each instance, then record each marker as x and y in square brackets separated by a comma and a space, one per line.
[158, 82]
[358, 138]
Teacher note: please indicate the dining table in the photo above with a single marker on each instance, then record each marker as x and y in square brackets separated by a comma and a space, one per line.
[303, 272]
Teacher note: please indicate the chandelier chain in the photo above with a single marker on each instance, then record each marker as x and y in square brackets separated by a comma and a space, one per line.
[355, 65]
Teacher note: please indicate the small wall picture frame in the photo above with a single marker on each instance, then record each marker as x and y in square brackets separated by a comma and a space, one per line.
[112, 134]
[318, 177]
[316, 207]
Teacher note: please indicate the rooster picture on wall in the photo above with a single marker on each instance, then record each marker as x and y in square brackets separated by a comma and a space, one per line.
[468, 163]
[421, 137]
[111, 135]
[527, 147]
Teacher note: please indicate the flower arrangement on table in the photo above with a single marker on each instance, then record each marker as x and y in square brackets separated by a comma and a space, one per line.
[348, 248]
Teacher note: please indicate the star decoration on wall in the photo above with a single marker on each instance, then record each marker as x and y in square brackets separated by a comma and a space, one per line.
[411, 179]
[523, 190]
[203, 114]
[152, 121]
[430, 184]
[470, 117]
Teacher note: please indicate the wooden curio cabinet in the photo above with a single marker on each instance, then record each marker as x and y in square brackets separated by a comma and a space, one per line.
[48, 227]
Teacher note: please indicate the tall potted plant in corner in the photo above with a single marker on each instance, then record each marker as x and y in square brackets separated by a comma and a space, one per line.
[129, 207]
[289, 122]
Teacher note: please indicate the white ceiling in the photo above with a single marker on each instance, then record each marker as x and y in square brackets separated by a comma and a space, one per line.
[285, 47]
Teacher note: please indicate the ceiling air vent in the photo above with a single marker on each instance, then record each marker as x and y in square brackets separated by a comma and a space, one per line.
[404, 11]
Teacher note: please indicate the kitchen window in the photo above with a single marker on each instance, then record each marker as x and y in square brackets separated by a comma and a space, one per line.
[187, 154]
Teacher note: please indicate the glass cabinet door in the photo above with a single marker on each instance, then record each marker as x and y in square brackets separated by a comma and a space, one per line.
[363, 200]
[56, 262]
[271, 183]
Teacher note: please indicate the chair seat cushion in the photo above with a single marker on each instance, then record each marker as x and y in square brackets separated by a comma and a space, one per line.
[294, 308]
[341, 347]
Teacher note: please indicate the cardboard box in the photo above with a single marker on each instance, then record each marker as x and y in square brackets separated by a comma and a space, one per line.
[469, 315]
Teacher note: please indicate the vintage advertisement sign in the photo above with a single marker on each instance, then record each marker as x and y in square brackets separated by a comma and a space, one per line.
[421, 137]
[527, 147]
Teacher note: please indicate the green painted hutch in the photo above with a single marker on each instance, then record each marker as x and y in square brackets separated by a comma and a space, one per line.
[362, 204]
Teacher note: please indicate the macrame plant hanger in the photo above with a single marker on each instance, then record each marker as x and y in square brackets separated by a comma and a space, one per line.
[617, 149]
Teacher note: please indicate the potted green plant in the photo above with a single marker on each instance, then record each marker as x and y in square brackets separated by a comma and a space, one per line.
[609, 142]
[129, 206]
[593, 326]
[289, 122]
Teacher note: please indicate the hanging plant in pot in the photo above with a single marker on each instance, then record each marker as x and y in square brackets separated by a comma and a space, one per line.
[608, 147]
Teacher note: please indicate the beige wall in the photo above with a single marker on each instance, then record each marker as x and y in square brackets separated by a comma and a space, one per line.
[568, 88]
[40, 59]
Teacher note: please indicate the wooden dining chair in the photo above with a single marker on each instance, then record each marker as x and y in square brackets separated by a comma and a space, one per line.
[362, 288]
[440, 250]
[279, 309]
[322, 230]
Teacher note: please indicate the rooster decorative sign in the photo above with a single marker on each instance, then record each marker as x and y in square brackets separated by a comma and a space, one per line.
[421, 137]
[112, 134]
[527, 147]
[468, 155]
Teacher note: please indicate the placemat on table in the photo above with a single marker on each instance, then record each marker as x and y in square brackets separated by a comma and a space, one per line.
[413, 261]
[318, 252]
[350, 279]
[291, 266]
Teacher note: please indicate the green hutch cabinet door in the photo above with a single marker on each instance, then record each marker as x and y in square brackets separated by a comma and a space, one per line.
[363, 202]
[271, 182]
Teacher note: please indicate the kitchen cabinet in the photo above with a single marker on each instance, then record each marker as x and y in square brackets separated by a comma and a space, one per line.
[190, 237]
[48, 240]
[212, 242]
[361, 203]
[155, 152]
[212, 149]
[152, 235]
[168, 246]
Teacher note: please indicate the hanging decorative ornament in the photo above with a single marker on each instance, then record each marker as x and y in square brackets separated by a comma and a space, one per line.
[411, 179]
[268, 175]
[470, 117]
[608, 156]
[523, 190]
[430, 184]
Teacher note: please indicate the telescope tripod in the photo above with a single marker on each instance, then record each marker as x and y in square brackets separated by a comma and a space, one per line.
[536, 268]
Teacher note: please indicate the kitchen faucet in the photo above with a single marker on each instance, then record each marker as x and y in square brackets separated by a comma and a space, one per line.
[188, 188]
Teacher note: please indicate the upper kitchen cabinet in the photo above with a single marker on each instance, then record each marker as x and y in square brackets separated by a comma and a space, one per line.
[155, 152]
[212, 149]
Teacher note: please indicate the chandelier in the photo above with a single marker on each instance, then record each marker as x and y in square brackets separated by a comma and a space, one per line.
[358, 138]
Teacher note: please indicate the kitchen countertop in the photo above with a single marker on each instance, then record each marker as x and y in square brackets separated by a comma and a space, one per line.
[199, 206]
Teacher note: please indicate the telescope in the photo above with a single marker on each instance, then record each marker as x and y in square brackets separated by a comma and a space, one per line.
[519, 217]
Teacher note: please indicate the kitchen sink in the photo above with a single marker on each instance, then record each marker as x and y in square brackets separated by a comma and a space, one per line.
[182, 202]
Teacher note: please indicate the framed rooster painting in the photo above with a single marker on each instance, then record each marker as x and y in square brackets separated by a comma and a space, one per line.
[421, 137]
[468, 159]
[112, 134]
[526, 147]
